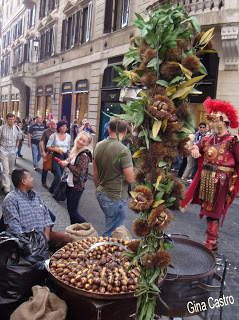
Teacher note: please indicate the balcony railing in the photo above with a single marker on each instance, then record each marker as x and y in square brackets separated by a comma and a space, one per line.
[195, 6]
[23, 68]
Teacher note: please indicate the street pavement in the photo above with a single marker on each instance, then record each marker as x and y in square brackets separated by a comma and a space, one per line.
[185, 224]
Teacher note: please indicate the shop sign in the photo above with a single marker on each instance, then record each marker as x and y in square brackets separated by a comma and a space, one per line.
[18, 96]
[110, 95]
[40, 91]
[12, 97]
[66, 87]
[82, 86]
[49, 90]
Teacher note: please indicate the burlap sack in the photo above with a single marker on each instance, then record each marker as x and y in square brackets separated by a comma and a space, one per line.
[43, 305]
[79, 231]
[122, 233]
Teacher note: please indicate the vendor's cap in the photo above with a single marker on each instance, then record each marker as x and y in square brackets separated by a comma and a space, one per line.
[222, 110]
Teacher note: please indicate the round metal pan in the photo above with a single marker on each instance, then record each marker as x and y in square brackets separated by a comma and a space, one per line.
[190, 260]
[86, 293]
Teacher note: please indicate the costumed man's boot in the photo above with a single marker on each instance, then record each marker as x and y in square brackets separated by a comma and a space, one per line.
[212, 235]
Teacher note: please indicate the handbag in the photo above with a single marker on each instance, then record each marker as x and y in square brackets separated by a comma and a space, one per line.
[47, 162]
[60, 191]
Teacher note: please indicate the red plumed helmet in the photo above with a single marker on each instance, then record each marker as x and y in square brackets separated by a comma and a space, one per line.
[223, 109]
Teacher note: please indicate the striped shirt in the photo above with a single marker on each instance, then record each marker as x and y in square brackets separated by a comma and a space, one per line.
[36, 132]
[8, 139]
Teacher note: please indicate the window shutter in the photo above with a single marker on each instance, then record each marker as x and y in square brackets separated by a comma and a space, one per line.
[125, 13]
[73, 30]
[78, 27]
[23, 24]
[25, 59]
[33, 16]
[29, 19]
[42, 48]
[30, 51]
[2, 67]
[69, 33]
[108, 16]
[46, 51]
[53, 40]
[89, 21]
[63, 35]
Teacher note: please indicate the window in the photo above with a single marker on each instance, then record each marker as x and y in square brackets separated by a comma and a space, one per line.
[5, 65]
[116, 15]
[47, 6]
[76, 29]
[47, 43]
[18, 29]
[17, 56]
[6, 39]
[31, 17]
[28, 51]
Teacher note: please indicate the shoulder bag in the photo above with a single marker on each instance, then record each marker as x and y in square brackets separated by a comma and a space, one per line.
[47, 161]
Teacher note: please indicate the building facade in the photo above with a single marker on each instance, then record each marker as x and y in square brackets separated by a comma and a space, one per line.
[57, 56]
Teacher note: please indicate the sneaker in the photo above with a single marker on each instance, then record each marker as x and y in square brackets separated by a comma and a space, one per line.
[44, 185]
[189, 181]
[21, 156]
[37, 169]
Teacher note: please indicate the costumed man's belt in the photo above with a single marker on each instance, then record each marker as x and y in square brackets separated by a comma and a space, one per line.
[208, 183]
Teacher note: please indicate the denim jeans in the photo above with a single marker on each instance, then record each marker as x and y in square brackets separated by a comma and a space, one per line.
[36, 154]
[115, 212]
[43, 176]
[19, 151]
[57, 171]
[73, 198]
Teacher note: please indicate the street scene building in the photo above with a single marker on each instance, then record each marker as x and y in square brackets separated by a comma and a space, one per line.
[57, 56]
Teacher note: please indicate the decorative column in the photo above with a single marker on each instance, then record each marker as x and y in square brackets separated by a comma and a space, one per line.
[193, 7]
[200, 6]
[56, 95]
[230, 45]
[216, 5]
[207, 5]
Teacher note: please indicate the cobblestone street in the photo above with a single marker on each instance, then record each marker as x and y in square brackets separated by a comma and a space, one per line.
[185, 224]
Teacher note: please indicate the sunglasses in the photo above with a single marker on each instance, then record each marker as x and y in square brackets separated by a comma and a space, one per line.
[202, 127]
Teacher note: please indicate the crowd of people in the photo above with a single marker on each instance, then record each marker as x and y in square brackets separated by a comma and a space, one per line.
[67, 156]
[211, 168]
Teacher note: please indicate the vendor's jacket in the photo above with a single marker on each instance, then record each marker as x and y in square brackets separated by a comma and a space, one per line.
[216, 182]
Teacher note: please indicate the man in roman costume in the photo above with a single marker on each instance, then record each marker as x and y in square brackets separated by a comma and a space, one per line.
[216, 182]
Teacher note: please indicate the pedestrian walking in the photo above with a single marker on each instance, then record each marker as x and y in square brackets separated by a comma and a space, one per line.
[19, 154]
[44, 140]
[78, 164]
[34, 136]
[59, 144]
[112, 178]
[216, 182]
[9, 141]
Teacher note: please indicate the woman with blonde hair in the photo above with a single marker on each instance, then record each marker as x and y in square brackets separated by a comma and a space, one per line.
[78, 164]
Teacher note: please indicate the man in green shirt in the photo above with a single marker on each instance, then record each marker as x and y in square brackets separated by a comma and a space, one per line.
[112, 179]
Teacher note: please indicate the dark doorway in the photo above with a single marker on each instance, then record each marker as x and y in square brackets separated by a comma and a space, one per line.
[66, 107]
[108, 108]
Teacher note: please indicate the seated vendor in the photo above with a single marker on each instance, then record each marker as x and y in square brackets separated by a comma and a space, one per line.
[24, 210]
